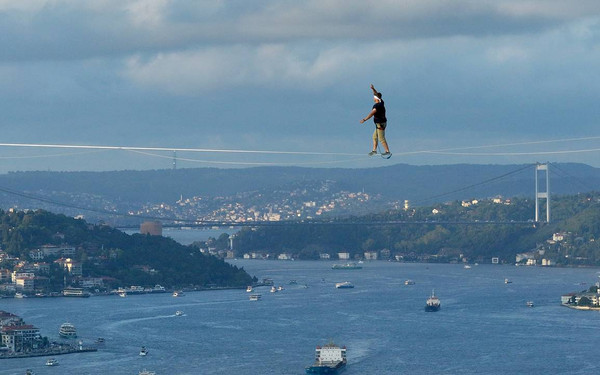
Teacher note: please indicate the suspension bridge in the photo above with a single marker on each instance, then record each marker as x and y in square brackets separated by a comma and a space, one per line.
[540, 187]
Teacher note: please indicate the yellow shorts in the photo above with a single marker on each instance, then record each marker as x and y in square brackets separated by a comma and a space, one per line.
[379, 133]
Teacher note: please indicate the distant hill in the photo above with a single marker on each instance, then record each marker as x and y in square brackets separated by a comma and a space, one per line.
[453, 232]
[107, 252]
[419, 184]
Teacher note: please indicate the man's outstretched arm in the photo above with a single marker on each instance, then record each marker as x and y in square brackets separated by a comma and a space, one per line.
[374, 91]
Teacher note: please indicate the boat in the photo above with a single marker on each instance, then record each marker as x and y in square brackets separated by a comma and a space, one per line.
[158, 289]
[279, 288]
[344, 285]
[273, 289]
[75, 292]
[122, 294]
[178, 313]
[409, 282]
[178, 293]
[52, 362]
[100, 340]
[529, 303]
[254, 297]
[29, 372]
[346, 266]
[249, 289]
[20, 295]
[507, 281]
[467, 267]
[67, 330]
[329, 359]
[146, 372]
[143, 351]
[433, 303]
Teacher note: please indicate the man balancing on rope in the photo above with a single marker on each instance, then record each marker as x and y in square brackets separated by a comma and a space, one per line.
[378, 114]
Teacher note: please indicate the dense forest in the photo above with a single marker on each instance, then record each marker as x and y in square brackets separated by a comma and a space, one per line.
[107, 252]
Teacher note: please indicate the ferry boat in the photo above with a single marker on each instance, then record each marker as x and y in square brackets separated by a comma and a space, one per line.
[255, 297]
[52, 362]
[143, 351]
[75, 292]
[344, 285]
[433, 303]
[158, 289]
[67, 330]
[330, 359]
[346, 266]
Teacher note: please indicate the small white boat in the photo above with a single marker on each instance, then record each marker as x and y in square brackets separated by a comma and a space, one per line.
[143, 351]
[467, 267]
[146, 372]
[122, 294]
[507, 281]
[249, 289]
[409, 282]
[344, 285]
[20, 295]
[255, 297]
[273, 289]
[178, 293]
[178, 313]
[529, 303]
[52, 362]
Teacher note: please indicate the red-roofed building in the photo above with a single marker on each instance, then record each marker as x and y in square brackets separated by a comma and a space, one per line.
[20, 338]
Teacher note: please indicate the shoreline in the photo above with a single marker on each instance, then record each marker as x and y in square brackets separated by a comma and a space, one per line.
[46, 352]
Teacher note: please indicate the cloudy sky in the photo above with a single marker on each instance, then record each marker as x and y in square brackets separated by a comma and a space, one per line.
[291, 75]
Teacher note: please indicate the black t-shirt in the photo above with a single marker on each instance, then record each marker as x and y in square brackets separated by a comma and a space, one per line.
[379, 116]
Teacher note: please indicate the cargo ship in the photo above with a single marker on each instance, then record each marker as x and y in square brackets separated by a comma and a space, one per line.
[330, 359]
[433, 303]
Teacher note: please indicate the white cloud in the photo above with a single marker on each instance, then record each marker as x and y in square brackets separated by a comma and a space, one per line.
[269, 65]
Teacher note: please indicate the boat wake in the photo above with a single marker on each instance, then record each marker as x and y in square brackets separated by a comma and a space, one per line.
[120, 323]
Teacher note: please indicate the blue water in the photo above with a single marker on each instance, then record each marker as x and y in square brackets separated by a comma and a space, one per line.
[188, 236]
[484, 326]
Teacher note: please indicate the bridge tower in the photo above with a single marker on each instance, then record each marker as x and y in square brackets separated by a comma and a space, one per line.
[542, 194]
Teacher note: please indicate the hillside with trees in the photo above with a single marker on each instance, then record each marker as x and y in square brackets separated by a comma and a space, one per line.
[453, 231]
[106, 252]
